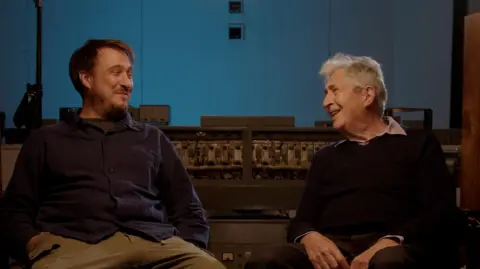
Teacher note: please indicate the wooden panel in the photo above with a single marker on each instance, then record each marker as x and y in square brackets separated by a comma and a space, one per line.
[9, 157]
[470, 166]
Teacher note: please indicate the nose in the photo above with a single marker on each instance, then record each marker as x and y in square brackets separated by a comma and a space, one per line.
[327, 100]
[127, 81]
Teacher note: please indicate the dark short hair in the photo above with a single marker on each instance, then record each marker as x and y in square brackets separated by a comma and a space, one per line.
[83, 59]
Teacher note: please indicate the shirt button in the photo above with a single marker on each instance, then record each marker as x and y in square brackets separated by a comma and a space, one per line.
[111, 170]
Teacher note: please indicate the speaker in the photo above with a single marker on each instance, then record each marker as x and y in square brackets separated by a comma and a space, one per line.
[66, 114]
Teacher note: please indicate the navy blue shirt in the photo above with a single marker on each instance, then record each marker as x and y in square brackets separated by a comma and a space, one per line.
[77, 181]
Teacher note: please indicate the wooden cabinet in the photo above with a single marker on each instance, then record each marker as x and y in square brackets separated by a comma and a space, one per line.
[8, 157]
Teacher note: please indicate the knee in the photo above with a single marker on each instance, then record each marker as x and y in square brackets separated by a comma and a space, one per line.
[389, 258]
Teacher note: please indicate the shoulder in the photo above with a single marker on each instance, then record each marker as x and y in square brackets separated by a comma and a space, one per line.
[38, 138]
[53, 131]
[153, 132]
[43, 133]
[145, 127]
[419, 144]
[326, 150]
[149, 129]
[422, 137]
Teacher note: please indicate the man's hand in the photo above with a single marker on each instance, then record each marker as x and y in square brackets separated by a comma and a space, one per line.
[362, 260]
[31, 243]
[323, 253]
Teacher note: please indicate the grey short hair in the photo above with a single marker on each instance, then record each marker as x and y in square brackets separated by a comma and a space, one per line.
[363, 70]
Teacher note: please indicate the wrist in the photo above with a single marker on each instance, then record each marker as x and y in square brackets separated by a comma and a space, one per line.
[306, 236]
[394, 238]
[31, 243]
[387, 242]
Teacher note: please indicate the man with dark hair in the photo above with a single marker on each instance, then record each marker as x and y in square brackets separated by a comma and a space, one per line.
[104, 191]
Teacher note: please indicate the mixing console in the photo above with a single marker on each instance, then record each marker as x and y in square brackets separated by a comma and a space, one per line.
[218, 159]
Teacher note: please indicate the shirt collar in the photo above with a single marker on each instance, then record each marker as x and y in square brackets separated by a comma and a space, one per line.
[127, 121]
[393, 128]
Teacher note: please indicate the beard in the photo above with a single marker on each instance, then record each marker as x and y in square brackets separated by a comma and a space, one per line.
[115, 113]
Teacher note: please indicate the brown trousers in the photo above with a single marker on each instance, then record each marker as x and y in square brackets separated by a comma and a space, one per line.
[119, 251]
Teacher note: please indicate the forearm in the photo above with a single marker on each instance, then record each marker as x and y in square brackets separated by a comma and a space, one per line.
[19, 205]
[311, 205]
[17, 227]
[188, 215]
[192, 224]
[298, 229]
[183, 204]
[430, 223]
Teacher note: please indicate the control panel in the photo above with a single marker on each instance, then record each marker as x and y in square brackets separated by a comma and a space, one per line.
[233, 241]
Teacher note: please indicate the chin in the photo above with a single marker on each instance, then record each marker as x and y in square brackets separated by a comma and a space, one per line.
[120, 105]
[117, 112]
[338, 127]
[338, 124]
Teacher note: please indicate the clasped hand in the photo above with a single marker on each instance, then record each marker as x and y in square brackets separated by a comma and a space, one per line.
[362, 260]
[324, 254]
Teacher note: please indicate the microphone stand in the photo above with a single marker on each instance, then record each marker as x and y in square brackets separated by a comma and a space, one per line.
[29, 111]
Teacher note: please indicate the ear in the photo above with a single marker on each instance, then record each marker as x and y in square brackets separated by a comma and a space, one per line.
[86, 79]
[370, 95]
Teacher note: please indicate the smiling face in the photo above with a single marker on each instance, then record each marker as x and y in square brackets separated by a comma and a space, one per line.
[344, 101]
[109, 84]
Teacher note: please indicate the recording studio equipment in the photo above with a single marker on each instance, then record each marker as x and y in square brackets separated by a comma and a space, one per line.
[234, 240]
[427, 114]
[29, 111]
[250, 180]
[248, 121]
[67, 114]
[452, 157]
[286, 154]
[155, 114]
[134, 112]
[256, 169]
[426, 123]
[323, 124]
[209, 154]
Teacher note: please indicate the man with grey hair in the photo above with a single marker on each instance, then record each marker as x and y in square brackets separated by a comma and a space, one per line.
[381, 198]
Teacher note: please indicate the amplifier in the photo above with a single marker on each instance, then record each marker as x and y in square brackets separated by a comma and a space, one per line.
[233, 241]
[66, 114]
[248, 121]
[155, 114]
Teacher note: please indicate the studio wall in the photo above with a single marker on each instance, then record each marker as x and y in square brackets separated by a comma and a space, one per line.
[184, 57]
[473, 6]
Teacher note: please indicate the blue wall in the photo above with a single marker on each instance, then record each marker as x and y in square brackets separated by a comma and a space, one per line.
[185, 59]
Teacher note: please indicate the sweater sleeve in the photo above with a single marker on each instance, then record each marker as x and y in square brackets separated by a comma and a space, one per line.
[310, 205]
[435, 195]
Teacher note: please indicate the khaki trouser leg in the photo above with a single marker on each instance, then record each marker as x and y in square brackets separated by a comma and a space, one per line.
[119, 251]
[172, 253]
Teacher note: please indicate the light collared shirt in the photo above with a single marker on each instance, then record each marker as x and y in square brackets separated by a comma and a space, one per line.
[393, 128]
